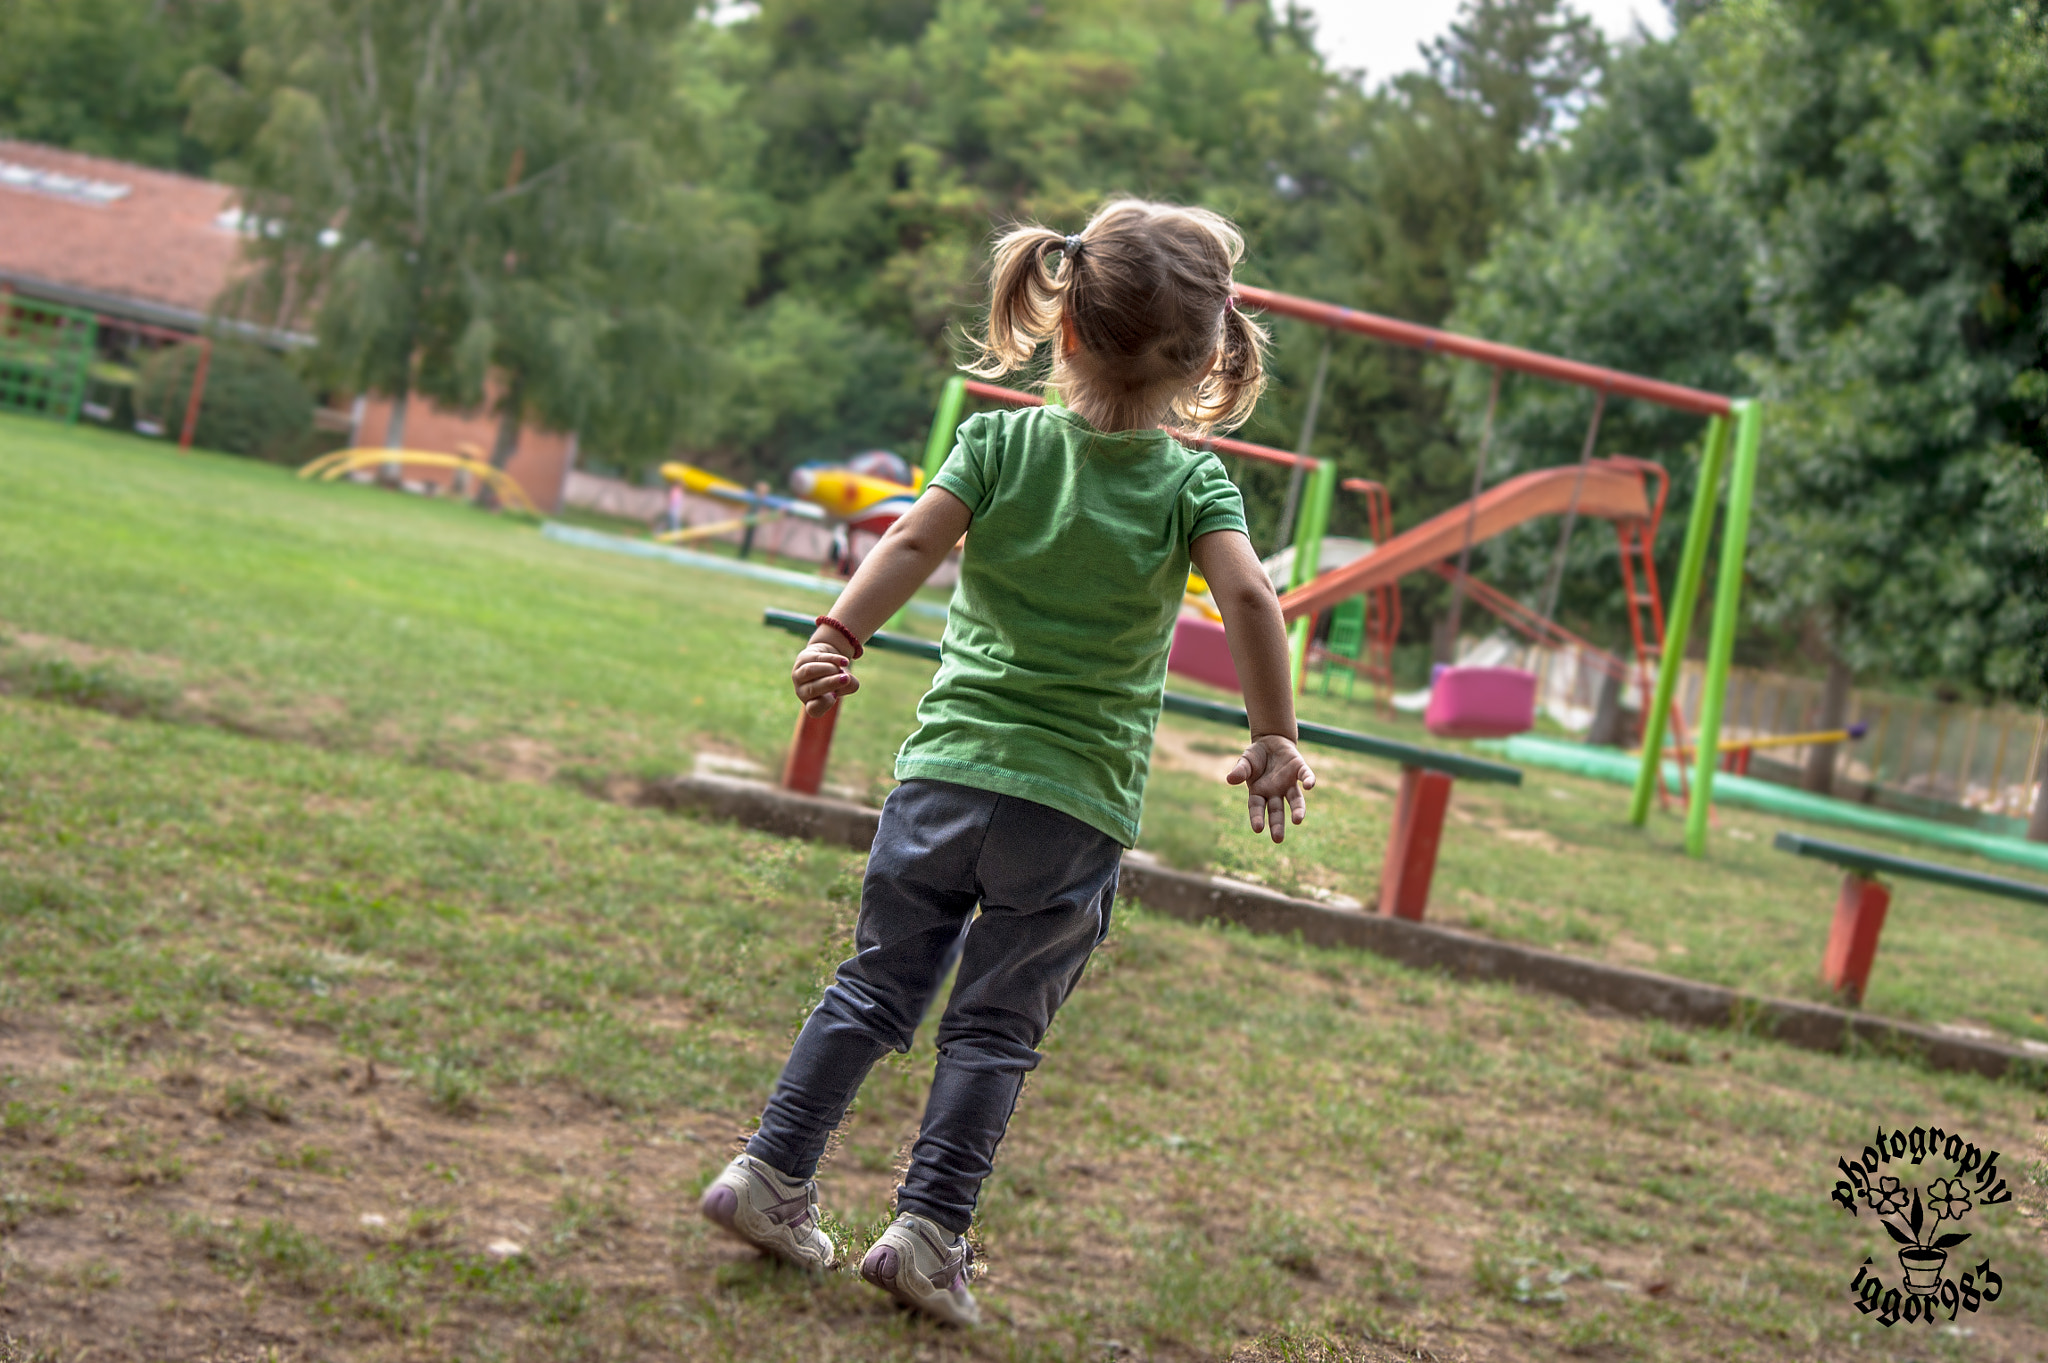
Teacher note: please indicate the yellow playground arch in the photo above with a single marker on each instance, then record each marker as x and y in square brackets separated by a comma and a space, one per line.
[341, 463]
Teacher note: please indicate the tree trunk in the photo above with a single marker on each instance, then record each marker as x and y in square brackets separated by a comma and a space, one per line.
[390, 473]
[506, 443]
[1834, 714]
[1607, 717]
[2037, 827]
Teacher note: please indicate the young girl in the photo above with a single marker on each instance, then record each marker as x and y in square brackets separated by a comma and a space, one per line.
[1022, 785]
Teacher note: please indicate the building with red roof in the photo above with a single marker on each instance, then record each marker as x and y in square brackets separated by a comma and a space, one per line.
[137, 245]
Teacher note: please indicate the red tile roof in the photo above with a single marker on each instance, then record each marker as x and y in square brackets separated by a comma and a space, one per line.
[161, 245]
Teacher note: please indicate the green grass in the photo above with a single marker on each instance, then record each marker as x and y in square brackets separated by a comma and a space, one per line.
[1554, 863]
[341, 1016]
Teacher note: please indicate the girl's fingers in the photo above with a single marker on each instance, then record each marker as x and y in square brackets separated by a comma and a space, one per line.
[818, 667]
[831, 684]
[1276, 818]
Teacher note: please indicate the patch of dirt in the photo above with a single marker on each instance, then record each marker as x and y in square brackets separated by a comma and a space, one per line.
[135, 1257]
[517, 758]
[718, 759]
[1624, 948]
[152, 666]
[1173, 750]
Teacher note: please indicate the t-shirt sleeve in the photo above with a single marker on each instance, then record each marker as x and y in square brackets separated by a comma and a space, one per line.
[969, 472]
[1213, 502]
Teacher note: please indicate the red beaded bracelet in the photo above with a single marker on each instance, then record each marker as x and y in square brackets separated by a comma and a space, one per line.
[857, 649]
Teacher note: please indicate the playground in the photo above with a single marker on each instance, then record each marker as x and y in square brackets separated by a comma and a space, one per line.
[363, 1005]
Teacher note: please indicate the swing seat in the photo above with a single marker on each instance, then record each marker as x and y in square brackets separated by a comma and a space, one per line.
[1201, 651]
[1481, 702]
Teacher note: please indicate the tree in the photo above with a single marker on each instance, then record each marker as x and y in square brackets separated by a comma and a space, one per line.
[361, 135]
[605, 273]
[470, 189]
[875, 143]
[1885, 166]
[1840, 208]
[883, 140]
[1404, 206]
[1621, 258]
[101, 76]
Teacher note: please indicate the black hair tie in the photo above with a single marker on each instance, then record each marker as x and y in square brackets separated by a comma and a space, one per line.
[1071, 247]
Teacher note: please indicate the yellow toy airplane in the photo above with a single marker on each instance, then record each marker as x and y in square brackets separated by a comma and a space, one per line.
[868, 492]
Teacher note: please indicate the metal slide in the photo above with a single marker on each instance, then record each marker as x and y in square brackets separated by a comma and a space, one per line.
[1613, 490]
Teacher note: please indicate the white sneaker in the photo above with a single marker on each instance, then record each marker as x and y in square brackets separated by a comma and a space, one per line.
[774, 1213]
[919, 1264]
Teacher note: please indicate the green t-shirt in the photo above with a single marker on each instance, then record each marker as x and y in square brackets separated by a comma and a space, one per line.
[1055, 651]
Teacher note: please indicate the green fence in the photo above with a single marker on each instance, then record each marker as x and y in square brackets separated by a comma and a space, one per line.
[44, 353]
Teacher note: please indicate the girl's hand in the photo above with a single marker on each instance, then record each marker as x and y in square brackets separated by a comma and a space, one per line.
[821, 675]
[1275, 778]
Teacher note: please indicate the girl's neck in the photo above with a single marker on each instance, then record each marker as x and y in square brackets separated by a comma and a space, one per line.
[1135, 414]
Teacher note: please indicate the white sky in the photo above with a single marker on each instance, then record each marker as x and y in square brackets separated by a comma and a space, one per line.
[1382, 35]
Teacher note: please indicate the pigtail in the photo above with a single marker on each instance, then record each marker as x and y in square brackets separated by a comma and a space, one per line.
[1226, 395]
[1024, 299]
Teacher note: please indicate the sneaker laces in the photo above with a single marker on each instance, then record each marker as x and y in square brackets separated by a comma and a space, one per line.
[806, 1194]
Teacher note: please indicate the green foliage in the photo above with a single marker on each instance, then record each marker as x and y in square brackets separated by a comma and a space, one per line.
[477, 189]
[874, 145]
[1841, 209]
[101, 76]
[252, 404]
[1620, 259]
[1886, 166]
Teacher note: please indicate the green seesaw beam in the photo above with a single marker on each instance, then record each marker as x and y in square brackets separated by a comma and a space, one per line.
[1216, 712]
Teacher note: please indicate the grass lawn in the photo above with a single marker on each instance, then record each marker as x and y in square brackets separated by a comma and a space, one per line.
[348, 1010]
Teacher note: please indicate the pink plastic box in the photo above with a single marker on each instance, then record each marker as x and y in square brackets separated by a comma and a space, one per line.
[1481, 702]
[1200, 651]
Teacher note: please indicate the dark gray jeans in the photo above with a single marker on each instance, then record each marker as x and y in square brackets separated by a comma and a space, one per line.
[1045, 882]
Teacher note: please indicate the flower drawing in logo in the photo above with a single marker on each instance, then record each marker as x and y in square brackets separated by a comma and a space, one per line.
[1947, 1199]
[1924, 1252]
[1887, 1198]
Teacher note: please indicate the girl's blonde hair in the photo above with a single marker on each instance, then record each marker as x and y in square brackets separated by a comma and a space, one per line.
[1146, 288]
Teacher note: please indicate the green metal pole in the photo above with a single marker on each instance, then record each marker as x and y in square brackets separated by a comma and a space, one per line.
[944, 423]
[1678, 624]
[1309, 525]
[1727, 607]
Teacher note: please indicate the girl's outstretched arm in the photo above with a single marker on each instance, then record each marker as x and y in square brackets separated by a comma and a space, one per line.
[909, 552]
[1271, 770]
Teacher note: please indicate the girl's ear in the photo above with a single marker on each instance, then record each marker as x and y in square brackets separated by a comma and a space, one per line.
[1069, 340]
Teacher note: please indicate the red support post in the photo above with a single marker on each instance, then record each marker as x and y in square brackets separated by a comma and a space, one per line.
[1852, 941]
[1411, 848]
[810, 747]
[198, 393]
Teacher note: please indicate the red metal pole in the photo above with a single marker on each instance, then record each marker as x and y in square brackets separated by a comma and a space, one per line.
[1852, 940]
[198, 392]
[1416, 337]
[810, 748]
[1411, 847]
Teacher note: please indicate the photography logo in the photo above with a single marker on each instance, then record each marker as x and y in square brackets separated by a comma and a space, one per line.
[1923, 1223]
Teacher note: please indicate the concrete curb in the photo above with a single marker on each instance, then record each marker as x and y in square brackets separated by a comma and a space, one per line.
[1425, 946]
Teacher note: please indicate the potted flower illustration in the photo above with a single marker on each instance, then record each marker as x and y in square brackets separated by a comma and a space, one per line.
[1925, 1253]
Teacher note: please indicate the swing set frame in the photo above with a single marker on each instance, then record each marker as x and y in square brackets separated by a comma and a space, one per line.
[1734, 428]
